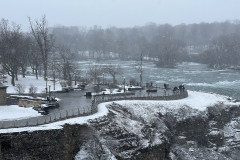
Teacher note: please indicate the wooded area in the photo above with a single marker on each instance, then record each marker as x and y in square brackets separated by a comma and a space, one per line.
[54, 51]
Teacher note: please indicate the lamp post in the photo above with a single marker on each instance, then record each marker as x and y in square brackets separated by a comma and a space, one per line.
[141, 79]
[124, 86]
[54, 80]
[103, 78]
[46, 84]
[49, 90]
[124, 90]
[75, 78]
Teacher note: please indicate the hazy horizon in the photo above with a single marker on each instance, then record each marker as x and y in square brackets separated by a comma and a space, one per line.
[124, 13]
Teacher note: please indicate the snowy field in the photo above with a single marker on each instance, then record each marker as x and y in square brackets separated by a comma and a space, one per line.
[40, 83]
[14, 112]
[196, 100]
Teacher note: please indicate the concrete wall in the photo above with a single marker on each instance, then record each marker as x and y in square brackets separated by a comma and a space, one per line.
[60, 144]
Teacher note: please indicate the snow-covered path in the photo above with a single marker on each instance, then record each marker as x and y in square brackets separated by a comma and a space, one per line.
[196, 100]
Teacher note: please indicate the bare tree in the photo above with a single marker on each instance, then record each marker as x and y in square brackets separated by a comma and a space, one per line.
[33, 90]
[95, 72]
[63, 62]
[139, 68]
[113, 70]
[34, 57]
[11, 41]
[43, 39]
[20, 88]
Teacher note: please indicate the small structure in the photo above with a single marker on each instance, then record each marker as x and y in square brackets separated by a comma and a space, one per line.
[3, 94]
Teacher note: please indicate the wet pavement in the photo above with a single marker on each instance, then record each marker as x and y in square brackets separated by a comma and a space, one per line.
[73, 99]
[77, 98]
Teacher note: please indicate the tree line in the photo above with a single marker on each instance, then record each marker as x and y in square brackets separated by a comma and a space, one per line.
[54, 51]
[35, 49]
[165, 44]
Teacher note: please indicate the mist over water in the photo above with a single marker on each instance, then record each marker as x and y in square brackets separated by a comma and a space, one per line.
[194, 76]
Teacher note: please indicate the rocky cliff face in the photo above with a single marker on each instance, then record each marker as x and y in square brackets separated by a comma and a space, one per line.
[136, 132]
[183, 133]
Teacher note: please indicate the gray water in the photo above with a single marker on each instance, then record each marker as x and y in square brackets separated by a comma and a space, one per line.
[194, 76]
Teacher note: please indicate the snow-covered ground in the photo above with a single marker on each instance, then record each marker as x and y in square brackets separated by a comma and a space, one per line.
[196, 100]
[40, 83]
[14, 112]
[102, 111]
[109, 91]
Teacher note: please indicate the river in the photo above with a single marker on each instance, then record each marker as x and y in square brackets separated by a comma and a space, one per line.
[194, 76]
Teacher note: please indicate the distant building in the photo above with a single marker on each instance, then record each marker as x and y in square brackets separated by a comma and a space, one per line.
[3, 94]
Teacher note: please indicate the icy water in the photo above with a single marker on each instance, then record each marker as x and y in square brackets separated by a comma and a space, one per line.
[194, 76]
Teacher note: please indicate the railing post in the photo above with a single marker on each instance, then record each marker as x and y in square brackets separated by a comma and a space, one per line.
[27, 122]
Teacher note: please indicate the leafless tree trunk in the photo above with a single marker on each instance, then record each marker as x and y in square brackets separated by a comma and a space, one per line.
[43, 39]
[113, 70]
[10, 41]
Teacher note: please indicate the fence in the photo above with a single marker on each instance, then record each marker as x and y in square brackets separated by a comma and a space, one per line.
[76, 112]
[52, 117]
[107, 98]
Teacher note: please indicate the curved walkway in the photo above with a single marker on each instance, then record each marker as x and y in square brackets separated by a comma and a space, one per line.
[84, 111]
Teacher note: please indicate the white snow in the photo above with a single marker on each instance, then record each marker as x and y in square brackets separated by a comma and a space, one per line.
[145, 109]
[109, 91]
[102, 110]
[40, 83]
[195, 100]
[15, 112]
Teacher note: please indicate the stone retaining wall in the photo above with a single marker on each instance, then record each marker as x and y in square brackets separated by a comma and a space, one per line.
[59, 144]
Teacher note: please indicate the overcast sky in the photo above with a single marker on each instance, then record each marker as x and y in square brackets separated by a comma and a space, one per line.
[120, 13]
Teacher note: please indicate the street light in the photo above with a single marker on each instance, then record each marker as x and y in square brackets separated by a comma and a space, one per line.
[103, 78]
[75, 78]
[46, 84]
[124, 90]
[54, 80]
[141, 79]
[49, 89]
[124, 84]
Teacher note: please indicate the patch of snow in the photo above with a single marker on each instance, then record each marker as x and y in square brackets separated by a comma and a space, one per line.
[102, 111]
[195, 100]
[14, 112]
[214, 133]
[40, 83]
[110, 91]
[145, 109]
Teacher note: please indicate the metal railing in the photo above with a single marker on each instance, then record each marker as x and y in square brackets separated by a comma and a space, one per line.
[172, 96]
[87, 110]
[51, 117]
